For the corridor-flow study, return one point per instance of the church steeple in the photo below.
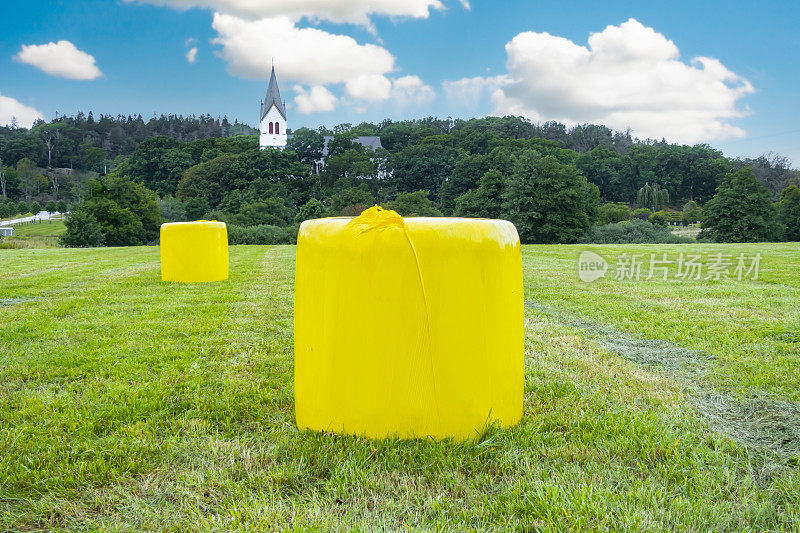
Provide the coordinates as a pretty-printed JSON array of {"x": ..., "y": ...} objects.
[
  {"x": 273, "y": 97},
  {"x": 272, "y": 124}
]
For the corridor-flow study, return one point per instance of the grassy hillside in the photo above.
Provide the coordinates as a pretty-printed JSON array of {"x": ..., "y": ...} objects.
[
  {"x": 127, "y": 403},
  {"x": 40, "y": 229}
]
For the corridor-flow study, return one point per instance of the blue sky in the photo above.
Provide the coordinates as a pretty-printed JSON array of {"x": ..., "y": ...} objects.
[{"x": 443, "y": 58}]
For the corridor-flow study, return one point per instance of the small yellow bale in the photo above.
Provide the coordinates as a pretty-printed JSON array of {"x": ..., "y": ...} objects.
[
  {"x": 193, "y": 252},
  {"x": 408, "y": 327}
]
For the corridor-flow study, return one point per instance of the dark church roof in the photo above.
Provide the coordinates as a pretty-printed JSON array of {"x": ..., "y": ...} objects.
[{"x": 273, "y": 98}]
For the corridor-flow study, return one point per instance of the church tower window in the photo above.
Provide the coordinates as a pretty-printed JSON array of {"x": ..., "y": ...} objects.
[
  {"x": 270, "y": 127},
  {"x": 277, "y": 128}
]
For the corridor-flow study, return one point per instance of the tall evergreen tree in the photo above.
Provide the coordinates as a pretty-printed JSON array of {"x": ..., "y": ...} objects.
[
  {"x": 546, "y": 200},
  {"x": 741, "y": 211}
]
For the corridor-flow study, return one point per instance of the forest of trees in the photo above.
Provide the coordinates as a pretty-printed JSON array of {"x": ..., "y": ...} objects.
[{"x": 553, "y": 182}]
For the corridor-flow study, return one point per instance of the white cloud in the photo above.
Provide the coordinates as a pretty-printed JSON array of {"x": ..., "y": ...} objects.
[
  {"x": 11, "y": 109},
  {"x": 353, "y": 11},
  {"x": 470, "y": 92},
  {"x": 628, "y": 76},
  {"x": 411, "y": 90},
  {"x": 191, "y": 55},
  {"x": 315, "y": 100},
  {"x": 60, "y": 59},
  {"x": 305, "y": 55},
  {"x": 370, "y": 87}
]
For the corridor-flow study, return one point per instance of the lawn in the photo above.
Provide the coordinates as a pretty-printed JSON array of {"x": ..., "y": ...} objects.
[
  {"x": 35, "y": 235},
  {"x": 131, "y": 404},
  {"x": 40, "y": 229}
]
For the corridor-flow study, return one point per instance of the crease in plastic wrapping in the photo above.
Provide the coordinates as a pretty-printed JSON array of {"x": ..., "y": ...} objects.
[
  {"x": 408, "y": 327},
  {"x": 194, "y": 252}
]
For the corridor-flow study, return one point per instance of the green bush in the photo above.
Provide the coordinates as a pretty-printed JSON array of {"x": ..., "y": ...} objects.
[
  {"x": 691, "y": 213},
  {"x": 83, "y": 231},
  {"x": 642, "y": 213},
  {"x": 634, "y": 231},
  {"x": 612, "y": 213},
  {"x": 659, "y": 218},
  {"x": 263, "y": 234}
]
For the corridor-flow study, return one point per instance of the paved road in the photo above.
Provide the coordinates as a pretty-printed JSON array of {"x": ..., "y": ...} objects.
[{"x": 41, "y": 215}]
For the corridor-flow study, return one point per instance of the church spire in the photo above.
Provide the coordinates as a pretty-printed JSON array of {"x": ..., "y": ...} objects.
[{"x": 273, "y": 97}]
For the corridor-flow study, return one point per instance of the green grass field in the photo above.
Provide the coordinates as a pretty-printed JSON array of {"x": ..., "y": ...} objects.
[
  {"x": 40, "y": 229},
  {"x": 131, "y": 404},
  {"x": 37, "y": 235}
]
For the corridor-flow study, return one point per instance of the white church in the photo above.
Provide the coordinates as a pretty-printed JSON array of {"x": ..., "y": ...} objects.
[{"x": 272, "y": 124}]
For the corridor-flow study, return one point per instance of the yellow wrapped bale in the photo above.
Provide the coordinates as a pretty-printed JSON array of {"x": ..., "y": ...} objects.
[
  {"x": 193, "y": 252},
  {"x": 408, "y": 327}
]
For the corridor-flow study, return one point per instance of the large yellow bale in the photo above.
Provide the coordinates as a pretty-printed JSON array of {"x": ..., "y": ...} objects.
[
  {"x": 408, "y": 327},
  {"x": 193, "y": 252}
]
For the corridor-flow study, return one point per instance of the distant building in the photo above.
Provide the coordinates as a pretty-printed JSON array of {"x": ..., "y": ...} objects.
[
  {"x": 272, "y": 124},
  {"x": 6, "y": 231},
  {"x": 273, "y": 117}
]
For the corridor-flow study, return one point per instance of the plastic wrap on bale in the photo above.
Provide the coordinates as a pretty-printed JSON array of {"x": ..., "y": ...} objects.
[
  {"x": 408, "y": 327},
  {"x": 194, "y": 252}
]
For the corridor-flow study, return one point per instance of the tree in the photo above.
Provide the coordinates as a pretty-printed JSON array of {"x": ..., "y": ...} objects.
[
  {"x": 28, "y": 172},
  {"x": 349, "y": 201},
  {"x": 307, "y": 144},
  {"x": 196, "y": 208},
  {"x": 312, "y": 209},
  {"x": 612, "y": 213},
  {"x": 741, "y": 211},
  {"x": 208, "y": 179},
  {"x": 789, "y": 213},
  {"x": 35, "y": 207},
  {"x": 546, "y": 200},
  {"x": 425, "y": 166},
  {"x": 51, "y": 207},
  {"x": 413, "y": 204},
  {"x": 126, "y": 212},
  {"x": 2, "y": 181},
  {"x": 50, "y": 135},
  {"x": 61, "y": 206},
  {"x": 83, "y": 231},
  {"x": 691, "y": 213},
  {"x": 271, "y": 211},
  {"x": 652, "y": 197},
  {"x": 172, "y": 209},
  {"x": 484, "y": 202},
  {"x": 659, "y": 218}
]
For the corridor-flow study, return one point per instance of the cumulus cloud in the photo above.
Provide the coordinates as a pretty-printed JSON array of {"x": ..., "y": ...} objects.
[
  {"x": 411, "y": 90},
  {"x": 352, "y": 11},
  {"x": 628, "y": 76},
  {"x": 11, "y": 109},
  {"x": 191, "y": 55},
  {"x": 470, "y": 92},
  {"x": 317, "y": 99},
  {"x": 305, "y": 55},
  {"x": 371, "y": 87},
  {"x": 60, "y": 59}
]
